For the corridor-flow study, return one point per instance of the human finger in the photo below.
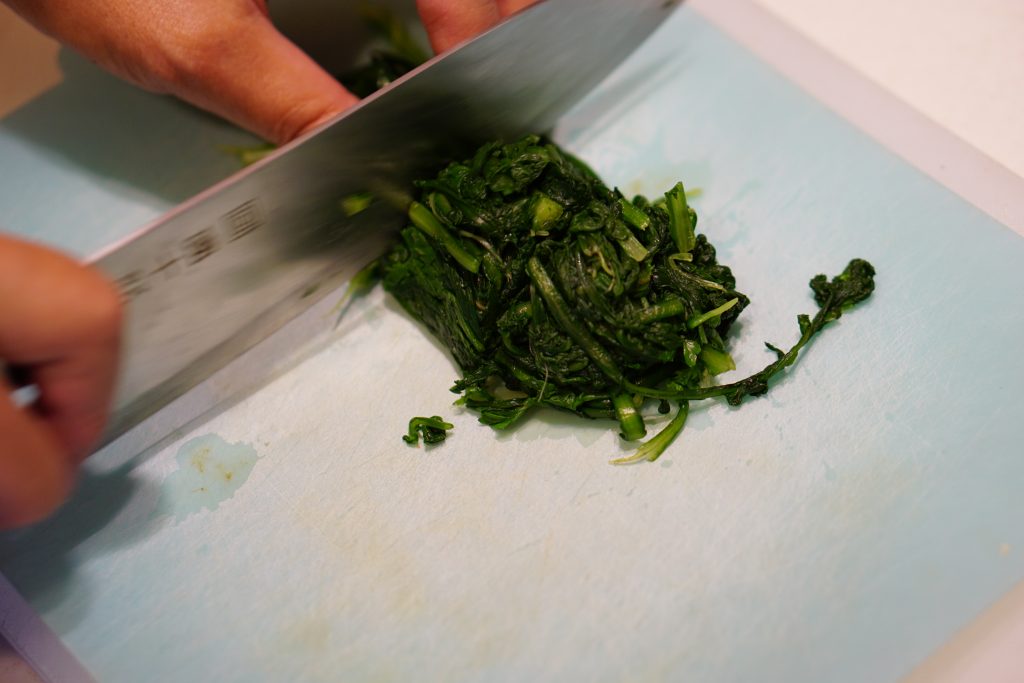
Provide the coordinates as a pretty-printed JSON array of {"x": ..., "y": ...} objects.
[
  {"x": 35, "y": 475},
  {"x": 225, "y": 57},
  {"x": 508, "y": 7},
  {"x": 449, "y": 22},
  {"x": 60, "y": 322}
]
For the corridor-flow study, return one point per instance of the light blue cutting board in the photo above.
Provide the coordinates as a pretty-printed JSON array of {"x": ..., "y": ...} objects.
[{"x": 840, "y": 529}]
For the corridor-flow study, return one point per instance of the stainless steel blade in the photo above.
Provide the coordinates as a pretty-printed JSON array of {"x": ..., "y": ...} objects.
[{"x": 223, "y": 271}]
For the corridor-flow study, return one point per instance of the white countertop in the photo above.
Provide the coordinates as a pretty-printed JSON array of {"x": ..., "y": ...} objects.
[{"x": 959, "y": 63}]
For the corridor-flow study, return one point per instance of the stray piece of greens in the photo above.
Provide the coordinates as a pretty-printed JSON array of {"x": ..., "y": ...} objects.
[
  {"x": 550, "y": 289},
  {"x": 401, "y": 55},
  {"x": 355, "y": 203},
  {"x": 431, "y": 429},
  {"x": 248, "y": 155}
]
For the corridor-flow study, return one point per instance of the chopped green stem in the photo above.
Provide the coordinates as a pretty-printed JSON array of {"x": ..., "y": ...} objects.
[
  {"x": 560, "y": 312},
  {"x": 630, "y": 420},
  {"x": 679, "y": 219},
  {"x": 757, "y": 383},
  {"x": 431, "y": 429},
  {"x": 717, "y": 361},
  {"x": 634, "y": 216},
  {"x": 546, "y": 211},
  {"x": 693, "y": 278},
  {"x": 520, "y": 373},
  {"x": 426, "y": 221},
  {"x": 356, "y": 203},
  {"x": 360, "y": 285},
  {"x": 652, "y": 449},
  {"x": 248, "y": 155},
  {"x": 661, "y": 310},
  {"x": 713, "y": 313},
  {"x": 633, "y": 248}
]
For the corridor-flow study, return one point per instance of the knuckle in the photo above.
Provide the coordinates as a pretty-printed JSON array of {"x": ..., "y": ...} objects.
[{"x": 295, "y": 119}]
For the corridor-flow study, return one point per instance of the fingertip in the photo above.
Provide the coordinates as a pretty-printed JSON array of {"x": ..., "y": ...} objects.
[
  {"x": 302, "y": 116},
  {"x": 77, "y": 385},
  {"x": 449, "y": 23}
]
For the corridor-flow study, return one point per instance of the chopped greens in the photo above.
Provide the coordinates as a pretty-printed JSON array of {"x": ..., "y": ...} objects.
[
  {"x": 356, "y": 203},
  {"x": 552, "y": 290},
  {"x": 248, "y": 155},
  {"x": 401, "y": 55},
  {"x": 431, "y": 429}
]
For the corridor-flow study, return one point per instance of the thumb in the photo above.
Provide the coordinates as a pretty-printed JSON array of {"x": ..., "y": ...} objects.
[{"x": 254, "y": 76}]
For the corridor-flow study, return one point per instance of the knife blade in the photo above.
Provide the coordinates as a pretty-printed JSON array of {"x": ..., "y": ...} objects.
[{"x": 212, "y": 278}]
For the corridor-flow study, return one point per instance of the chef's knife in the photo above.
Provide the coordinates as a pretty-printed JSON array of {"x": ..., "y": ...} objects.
[{"x": 221, "y": 272}]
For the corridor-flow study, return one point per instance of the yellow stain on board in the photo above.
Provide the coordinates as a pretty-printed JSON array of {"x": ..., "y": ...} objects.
[{"x": 210, "y": 471}]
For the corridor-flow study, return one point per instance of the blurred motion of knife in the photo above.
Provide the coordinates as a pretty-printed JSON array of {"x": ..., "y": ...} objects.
[{"x": 223, "y": 271}]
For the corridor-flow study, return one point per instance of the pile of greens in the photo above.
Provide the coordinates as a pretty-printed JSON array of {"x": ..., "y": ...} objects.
[
  {"x": 400, "y": 55},
  {"x": 552, "y": 290}
]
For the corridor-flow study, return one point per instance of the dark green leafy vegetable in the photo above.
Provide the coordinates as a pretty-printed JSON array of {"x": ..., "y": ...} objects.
[
  {"x": 550, "y": 289},
  {"x": 248, "y": 155},
  {"x": 356, "y": 203},
  {"x": 431, "y": 429},
  {"x": 388, "y": 26},
  {"x": 402, "y": 54},
  {"x": 382, "y": 69}
]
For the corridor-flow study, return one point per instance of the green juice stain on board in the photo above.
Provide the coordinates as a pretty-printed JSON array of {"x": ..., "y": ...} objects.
[{"x": 209, "y": 472}]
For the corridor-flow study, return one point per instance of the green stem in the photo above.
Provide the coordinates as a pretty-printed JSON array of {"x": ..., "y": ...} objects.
[
  {"x": 679, "y": 219},
  {"x": 634, "y": 216},
  {"x": 426, "y": 221},
  {"x": 651, "y": 450},
  {"x": 630, "y": 420},
  {"x": 633, "y": 248},
  {"x": 560, "y": 312},
  {"x": 713, "y": 313},
  {"x": 661, "y": 310},
  {"x": 742, "y": 386}
]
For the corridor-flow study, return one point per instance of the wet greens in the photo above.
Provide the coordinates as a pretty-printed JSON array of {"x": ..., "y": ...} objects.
[{"x": 551, "y": 289}]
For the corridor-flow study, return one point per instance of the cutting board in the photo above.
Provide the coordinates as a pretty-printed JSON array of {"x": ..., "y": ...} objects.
[{"x": 272, "y": 525}]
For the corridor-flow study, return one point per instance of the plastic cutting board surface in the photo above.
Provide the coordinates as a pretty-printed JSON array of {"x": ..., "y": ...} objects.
[{"x": 839, "y": 529}]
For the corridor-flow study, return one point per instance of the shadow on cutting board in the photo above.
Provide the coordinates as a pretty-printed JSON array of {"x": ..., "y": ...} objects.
[
  {"x": 113, "y": 506},
  {"x": 40, "y": 560},
  {"x": 122, "y": 135}
]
